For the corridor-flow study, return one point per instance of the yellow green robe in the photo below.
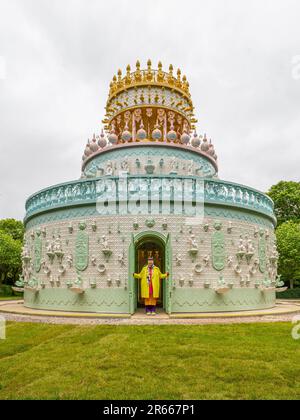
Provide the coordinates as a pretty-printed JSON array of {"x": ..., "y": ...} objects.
[{"x": 156, "y": 276}]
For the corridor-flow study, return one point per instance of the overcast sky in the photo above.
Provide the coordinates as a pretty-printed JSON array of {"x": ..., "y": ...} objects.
[{"x": 57, "y": 57}]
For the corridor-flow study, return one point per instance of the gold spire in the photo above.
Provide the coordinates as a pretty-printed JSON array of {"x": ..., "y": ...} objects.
[
  {"x": 170, "y": 75},
  {"x": 128, "y": 76},
  {"x": 138, "y": 74},
  {"x": 149, "y": 74},
  {"x": 178, "y": 81},
  {"x": 184, "y": 84},
  {"x": 114, "y": 86},
  {"x": 160, "y": 73},
  {"x": 120, "y": 83}
]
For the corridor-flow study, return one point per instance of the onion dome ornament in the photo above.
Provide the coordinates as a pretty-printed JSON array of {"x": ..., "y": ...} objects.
[
  {"x": 87, "y": 150},
  {"x": 141, "y": 133},
  {"x": 113, "y": 138},
  {"x": 172, "y": 135},
  {"x": 205, "y": 144},
  {"x": 93, "y": 144},
  {"x": 156, "y": 133},
  {"x": 102, "y": 142},
  {"x": 195, "y": 140},
  {"x": 211, "y": 150},
  {"x": 185, "y": 138},
  {"x": 126, "y": 135}
]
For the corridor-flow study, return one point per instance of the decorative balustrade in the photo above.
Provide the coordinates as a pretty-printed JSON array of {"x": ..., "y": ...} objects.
[{"x": 144, "y": 188}]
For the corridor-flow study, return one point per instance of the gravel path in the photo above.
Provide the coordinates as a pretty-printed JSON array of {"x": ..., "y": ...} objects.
[
  {"x": 161, "y": 319},
  {"x": 148, "y": 321}
]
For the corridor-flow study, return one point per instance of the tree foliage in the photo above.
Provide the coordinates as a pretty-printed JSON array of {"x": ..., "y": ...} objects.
[
  {"x": 288, "y": 244},
  {"x": 286, "y": 197},
  {"x": 12, "y": 227},
  {"x": 11, "y": 237}
]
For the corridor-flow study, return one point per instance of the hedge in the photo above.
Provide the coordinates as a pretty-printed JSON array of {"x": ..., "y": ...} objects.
[
  {"x": 289, "y": 294},
  {"x": 6, "y": 291}
]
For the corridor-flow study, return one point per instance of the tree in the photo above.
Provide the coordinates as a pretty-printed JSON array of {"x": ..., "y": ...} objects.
[
  {"x": 12, "y": 227},
  {"x": 10, "y": 258},
  {"x": 288, "y": 244},
  {"x": 286, "y": 197}
]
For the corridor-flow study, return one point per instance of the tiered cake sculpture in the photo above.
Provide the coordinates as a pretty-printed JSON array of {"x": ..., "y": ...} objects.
[{"x": 149, "y": 186}]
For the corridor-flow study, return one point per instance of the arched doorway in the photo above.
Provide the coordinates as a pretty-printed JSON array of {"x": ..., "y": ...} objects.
[
  {"x": 159, "y": 246},
  {"x": 144, "y": 248}
]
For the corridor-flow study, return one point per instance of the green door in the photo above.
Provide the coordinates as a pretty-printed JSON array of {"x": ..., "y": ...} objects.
[
  {"x": 168, "y": 281},
  {"x": 132, "y": 282}
]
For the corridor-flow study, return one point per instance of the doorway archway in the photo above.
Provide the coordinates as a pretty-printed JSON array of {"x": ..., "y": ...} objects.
[
  {"x": 144, "y": 248},
  {"x": 142, "y": 245}
]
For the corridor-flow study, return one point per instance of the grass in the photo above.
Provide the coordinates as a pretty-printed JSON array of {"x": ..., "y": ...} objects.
[
  {"x": 11, "y": 298},
  {"x": 246, "y": 361}
]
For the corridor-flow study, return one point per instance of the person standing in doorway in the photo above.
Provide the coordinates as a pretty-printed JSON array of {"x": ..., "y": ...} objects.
[{"x": 150, "y": 277}]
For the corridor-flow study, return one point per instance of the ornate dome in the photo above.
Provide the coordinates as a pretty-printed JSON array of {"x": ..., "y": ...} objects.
[
  {"x": 149, "y": 106},
  {"x": 102, "y": 142},
  {"x": 141, "y": 133}
]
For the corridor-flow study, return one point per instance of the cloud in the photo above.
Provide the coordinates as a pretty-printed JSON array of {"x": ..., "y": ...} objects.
[{"x": 60, "y": 56}]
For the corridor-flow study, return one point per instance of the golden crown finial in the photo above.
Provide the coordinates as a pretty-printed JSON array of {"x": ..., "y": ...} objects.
[
  {"x": 149, "y": 74},
  {"x": 149, "y": 77},
  {"x": 120, "y": 82},
  {"x": 150, "y": 89},
  {"x": 160, "y": 74},
  {"x": 184, "y": 84},
  {"x": 113, "y": 85},
  {"x": 171, "y": 80},
  {"x": 137, "y": 73},
  {"x": 128, "y": 76},
  {"x": 178, "y": 81}
]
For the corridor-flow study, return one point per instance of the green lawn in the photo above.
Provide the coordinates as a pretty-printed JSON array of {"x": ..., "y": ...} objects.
[
  {"x": 11, "y": 298},
  {"x": 149, "y": 362}
]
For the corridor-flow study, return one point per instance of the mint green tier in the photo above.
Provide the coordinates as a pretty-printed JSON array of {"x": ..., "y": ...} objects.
[{"x": 118, "y": 301}]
